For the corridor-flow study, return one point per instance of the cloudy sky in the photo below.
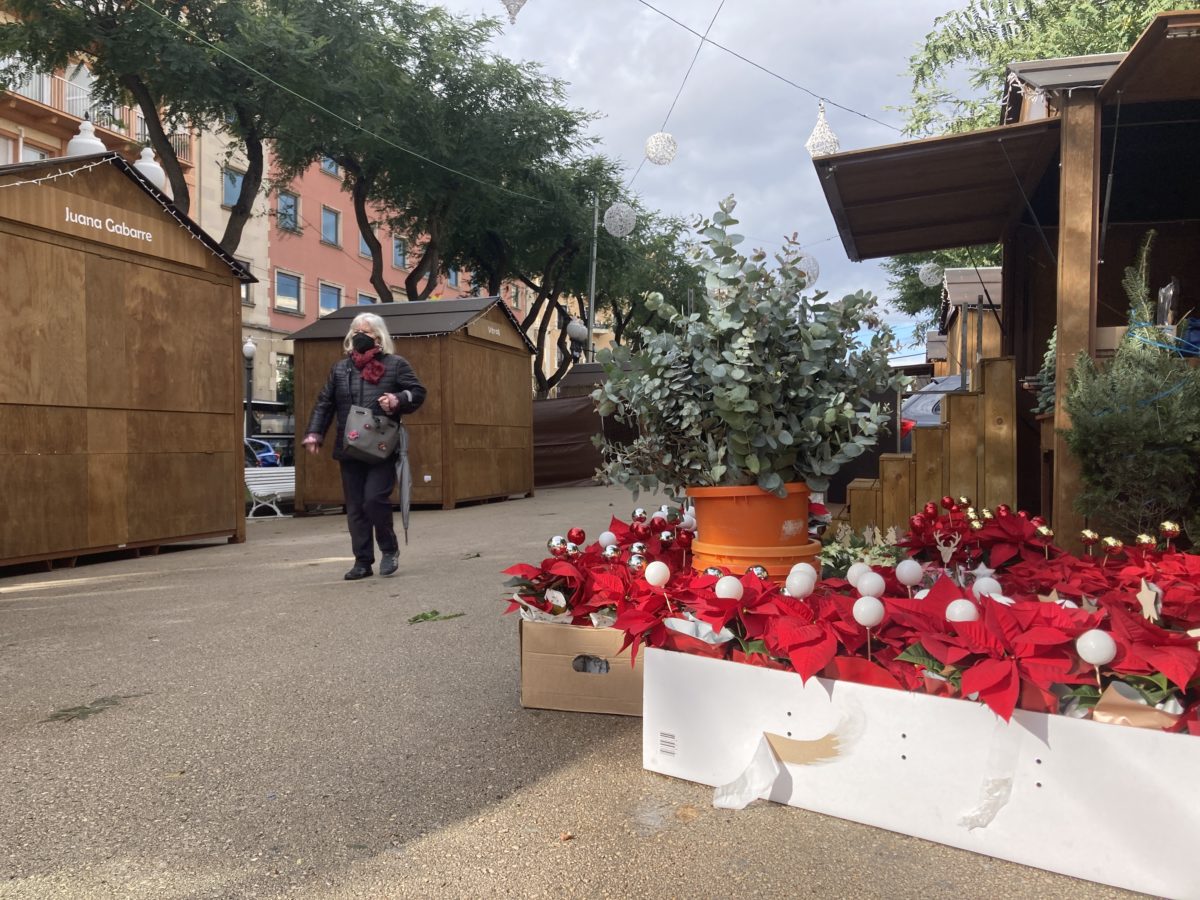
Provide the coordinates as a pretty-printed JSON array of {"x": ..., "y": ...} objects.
[{"x": 740, "y": 130}]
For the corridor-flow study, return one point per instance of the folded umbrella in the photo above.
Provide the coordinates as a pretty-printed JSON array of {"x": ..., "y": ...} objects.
[{"x": 404, "y": 478}]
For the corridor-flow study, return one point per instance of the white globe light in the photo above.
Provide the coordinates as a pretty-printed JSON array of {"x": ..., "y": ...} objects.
[
  {"x": 657, "y": 573},
  {"x": 619, "y": 219},
  {"x": 868, "y": 611},
  {"x": 807, "y": 263},
  {"x": 729, "y": 588},
  {"x": 577, "y": 331},
  {"x": 801, "y": 583},
  {"x": 1096, "y": 647},
  {"x": 871, "y": 584},
  {"x": 606, "y": 539},
  {"x": 961, "y": 610},
  {"x": 909, "y": 572},
  {"x": 986, "y": 585},
  {"x": 806, "y": 567},
  {"x": 855, "y": 571},
  {"x": 661, "y": 148},
  {"x": 930, "y": 274}
]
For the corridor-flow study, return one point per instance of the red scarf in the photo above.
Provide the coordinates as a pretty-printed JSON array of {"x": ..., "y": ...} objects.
[{"x": 366, "y": 363}]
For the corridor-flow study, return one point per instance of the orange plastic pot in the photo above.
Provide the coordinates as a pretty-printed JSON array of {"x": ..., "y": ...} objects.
[{"x": 743, "y": 526}]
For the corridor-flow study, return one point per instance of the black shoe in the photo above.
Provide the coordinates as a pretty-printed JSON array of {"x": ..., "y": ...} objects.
[
  {"x": 358, "y": 572},
  {"x": 389, "y": 563}
]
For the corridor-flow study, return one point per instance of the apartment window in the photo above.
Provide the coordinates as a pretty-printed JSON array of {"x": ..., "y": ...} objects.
[
  {"x": 231, "y": 186},
  {"x": 399, "y": 253},
  {"x": 287, "y": 211},
  {"x": 452, "y": 277},
  {"x": 33, "y": 154},
  {"x": 287, "y": 291},
  {"x": 247, "y": 297},
  {"x": 329, "y": 167},
  {"x": 366, "y": 299},
  {"x": 516, "y": 298},
  {"x": 331, "y": 297},
  {"x": 6, "y": 151},
  {"x": 363, "y": 249},
  {"x": 331, "y": 226}
]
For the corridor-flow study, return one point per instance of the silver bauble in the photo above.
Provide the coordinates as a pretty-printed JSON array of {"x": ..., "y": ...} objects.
[
  {"x": 637, "y": 547},
  {"x": 611, "y": 552},
  {"x": 636, "y": 563}
]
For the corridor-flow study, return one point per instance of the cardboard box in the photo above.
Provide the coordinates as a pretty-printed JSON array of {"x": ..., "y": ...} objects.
[
  {"x": 1106, "y": 803},
  {"x": 577, "y": 669}
]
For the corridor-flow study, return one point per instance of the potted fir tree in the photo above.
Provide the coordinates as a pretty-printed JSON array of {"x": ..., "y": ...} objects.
[{"x": 750, "y": 403}]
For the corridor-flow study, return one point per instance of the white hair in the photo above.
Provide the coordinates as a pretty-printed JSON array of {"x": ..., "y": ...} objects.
[{"x": 378, "y": 328}]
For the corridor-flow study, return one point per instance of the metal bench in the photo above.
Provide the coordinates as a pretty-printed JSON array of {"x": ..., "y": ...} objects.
[{"x": 269, "y": 485}]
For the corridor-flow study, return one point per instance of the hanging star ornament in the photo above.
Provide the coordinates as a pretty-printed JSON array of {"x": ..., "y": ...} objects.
[
  {"x": 822, "y": 141},
  {"x": 513, "y": 7}
]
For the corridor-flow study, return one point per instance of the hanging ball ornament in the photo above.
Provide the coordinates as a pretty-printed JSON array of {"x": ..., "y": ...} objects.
[
  {"x": 1096, "y": 647},
  {"x": 868, "y": 611},
  {"x": 714, "y": 572},
  {"x": 557, "y": 546},
  {"x": 822, "y": 141},
  {"x": 759, "y": 572},
  {"x": 871, "y": 584},
  {"x": 729, "y": 588},
  {"x": 637, "y": 547},
  {"x": 800, "y": 583},
  {"x": 961, "y": 610},
  {"x": 577, "y": 535},
  {"x": 619, "y": 219},
  {"x": 807, "y": 263},
  {"x": 909, "y": 572},
  {"x": 612, "y": 552},
  {"x": 856, "y": 571},
  {"x": 513, "y": 7},
  {"x": 607, "y": 539},
  {"x": 636, "y": 563},
  {"x": 930, "y": 274},
  {"x": 661, "y": 148},
  {"x": 639, "y": 515},
  {"x": 657, "y": 573}
]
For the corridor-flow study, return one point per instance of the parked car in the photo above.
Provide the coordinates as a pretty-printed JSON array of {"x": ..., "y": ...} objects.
[
  {"x": 260, "y": 453},
  {"x": 925, "y": 407}
]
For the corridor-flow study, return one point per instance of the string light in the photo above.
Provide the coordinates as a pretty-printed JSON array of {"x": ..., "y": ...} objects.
[{"x": 61, "y": 173}]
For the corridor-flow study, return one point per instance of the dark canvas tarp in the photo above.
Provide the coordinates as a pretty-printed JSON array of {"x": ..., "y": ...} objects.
[{"x": 563, "y": 454}]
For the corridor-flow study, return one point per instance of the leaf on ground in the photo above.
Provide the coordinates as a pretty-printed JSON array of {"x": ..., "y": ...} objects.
[
  {"x": 99, "y": 705},
  {"x": 471, "y": 555},
  {"x": 433, "y": 616},
  {"x": 566, "y": 836}
]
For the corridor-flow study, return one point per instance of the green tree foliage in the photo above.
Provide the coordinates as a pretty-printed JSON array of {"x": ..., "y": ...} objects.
[
  {"x": 986, "y": 35},
  {"x": 1135, "y": 425}
]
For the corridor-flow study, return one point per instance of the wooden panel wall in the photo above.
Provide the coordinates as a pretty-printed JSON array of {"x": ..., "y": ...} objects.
[
  {"x": 998, "y": 433},
  {"x": 120, "y": 410}
]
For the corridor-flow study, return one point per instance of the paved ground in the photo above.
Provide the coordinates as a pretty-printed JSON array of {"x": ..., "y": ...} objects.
[{"x": 260, "y": 728}]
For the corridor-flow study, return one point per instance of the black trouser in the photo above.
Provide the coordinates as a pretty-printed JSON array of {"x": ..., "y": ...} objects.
[{"x": 367, "y": 491}]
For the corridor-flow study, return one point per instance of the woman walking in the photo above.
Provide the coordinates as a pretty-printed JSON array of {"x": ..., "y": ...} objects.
[{"x": 370, "y": 375}]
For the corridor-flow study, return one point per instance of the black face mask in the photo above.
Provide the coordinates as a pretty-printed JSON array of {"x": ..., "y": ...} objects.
[{"x": 362, "y": 342}]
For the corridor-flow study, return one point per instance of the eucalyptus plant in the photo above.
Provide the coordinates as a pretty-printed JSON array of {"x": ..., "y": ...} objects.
[{"x": 765, "y": 385}]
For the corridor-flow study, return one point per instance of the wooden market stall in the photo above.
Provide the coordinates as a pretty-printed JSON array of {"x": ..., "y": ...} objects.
[
  {"x": 473, "y": 438},
  {"x": 120, "y": 391}
]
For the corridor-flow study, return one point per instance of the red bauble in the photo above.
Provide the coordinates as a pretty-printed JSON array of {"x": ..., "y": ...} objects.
[
  {"x": 1037, "y": 521},
  {"x": 659, "y": 523},
  {"x": 641, "y": 529},
  {"x": 931, "y": 510},
  {"x": 948, "y": 502},
  {"x": 1023, "y": 514},
  {"x": 576, "y": 536},
  {"x": 683, "y": 539},
  {"x": 917, "y": 523},
  {"x": 1003, "y": 509}
]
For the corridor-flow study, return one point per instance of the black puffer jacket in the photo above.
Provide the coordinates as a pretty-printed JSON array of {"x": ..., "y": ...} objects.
[{"x": 346, "y": 388}]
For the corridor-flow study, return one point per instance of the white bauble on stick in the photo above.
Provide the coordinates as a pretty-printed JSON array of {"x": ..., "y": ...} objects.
[
  {"x": 807, "y": 567},
  {"x": 871, "y": 584},
  {"x": 868, "y": 611},
  {"x": 855, "y": 570},
  {"x": 606, "y": 539},
  {"x": 729, "y": 588},
  {"x": 1096, "y": 647},
  {"x": 961, "y": 610},
  {"x": 986, "y": 585},
  {"x": 657, "y": 573},
  {"x": 801, "y": 583},
  {"x": 909, "y": 572}
]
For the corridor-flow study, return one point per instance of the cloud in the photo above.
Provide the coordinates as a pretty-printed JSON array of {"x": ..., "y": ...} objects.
[{"x": 740, "y": 131}]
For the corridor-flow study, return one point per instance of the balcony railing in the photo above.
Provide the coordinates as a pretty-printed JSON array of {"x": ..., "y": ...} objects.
[{"x": 77, "y": 99}]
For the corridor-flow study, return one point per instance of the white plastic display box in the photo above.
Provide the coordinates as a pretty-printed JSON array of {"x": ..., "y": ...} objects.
[{"x": 1108, "y": 803}]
